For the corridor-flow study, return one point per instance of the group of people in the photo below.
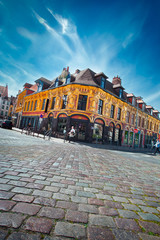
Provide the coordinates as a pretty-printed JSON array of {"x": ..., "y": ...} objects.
[{"x": 70, "y": 135}]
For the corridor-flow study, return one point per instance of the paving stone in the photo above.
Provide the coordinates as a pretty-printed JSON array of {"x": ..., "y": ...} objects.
[
  {"x": 35, "y": 185},
  {"x": 104, "y": 196},
  {"x": 70, "y": 230},
  {"x": 2, "y": 180},
  {"x": 149, "y": 216},
  {"x": 153, "y": 204},
  {"x": 6, "y": 205},
  {"x": 127, "y": 214},
  {"x": 51, "y": 188},
  {"x": 93, "y": 190},
  {"x": 60, "y": 185},
  {"x": 150, "y": 227},
  {"x": 67, "y": 182},
  {"x": 144, "y": 236},
  {"x": 5, "y": 187},
  {"x": 108, "y": 211},
  {"x": 81, "y": 184},
  {"x": 127, "y": 224},
  {"x": 88, "y": 208},
  {"x": 23, "y": 236},
  {"x": 25, "y": 179},
  {"x": 67, "y": 191},
  {"x": 45, "y": 201},
  {"x": 56, "y": 238},
  {"x": 50, "y": 212},
  {"x": 60, "y": 196},
  {"x": 130, "y": 207},
  {"x": 79, "y": 199},
  {"x": 137, "y": 201},
  {"x": 23, "y": 198},
  {"x": 26, "y": 208},
  {"x": 124, "y": 235},
  {"x": 67, "y": 205},
  {"x": 148, "y": 209},
  {"x": 6, "y": 195},
  {"x": 95, "y": 201},
  {"x": 76, "y": 216},
  {"x": 120, "y": 199},
  {"x": 42, "y": 225},
  {"x": 12, "y": 177},
  {"x": 100, "y": 220},
  {"x": 85, "y": 194},
  {"x": 42, "y": 193},
  {"x": 11, "y": 219},
  {"x": 77, "y": 188},
  {"x": 111, "y": 204},
  {"x": 22, "y": 190},
  {"x": 38, "y": 177},
  {"x": 45, "y": 182},
  {"x": 3, "y": 234},
  {"x": 17, "y": 183},
  {"x": 99, "y": 233}
]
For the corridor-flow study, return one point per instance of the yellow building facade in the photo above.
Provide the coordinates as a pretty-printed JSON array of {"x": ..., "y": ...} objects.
[{"x": 98, "y": 109}]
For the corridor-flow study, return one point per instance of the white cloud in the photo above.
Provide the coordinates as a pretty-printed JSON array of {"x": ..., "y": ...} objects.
[
  {"x": 128, "y": 40},
  {"x": 153, "y": 97},
  {"x": 27, "y": 34}
]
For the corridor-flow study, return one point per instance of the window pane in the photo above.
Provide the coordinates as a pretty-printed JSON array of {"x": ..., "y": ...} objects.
[{"x": 82, "y": 102}]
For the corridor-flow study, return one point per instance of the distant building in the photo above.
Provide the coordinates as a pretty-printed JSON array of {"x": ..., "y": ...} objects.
[
  {"x": 99, "y": 110},
  {"x": 4, "y": 102}
]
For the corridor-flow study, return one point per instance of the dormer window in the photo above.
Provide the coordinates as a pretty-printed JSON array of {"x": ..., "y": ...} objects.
[
  {"x": 68, "y": 79},
  {"x": 103, "y": 82},
  {"x": 120, "y": 92},
  {"x": 56, "y": 82}
]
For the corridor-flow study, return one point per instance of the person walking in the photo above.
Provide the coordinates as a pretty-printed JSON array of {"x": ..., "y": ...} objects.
[
  {"x": 65, "y": 133},
  {"x": 72, "y": 133},
  {"x": 157, "y": 145}
]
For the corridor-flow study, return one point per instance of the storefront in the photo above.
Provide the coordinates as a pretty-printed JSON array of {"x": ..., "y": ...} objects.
[
  {"x": 98, "y": 129},
  {"x": 62, "y": 121},
  {"x": 117, "y": 137},
  {"x": 111, "y": 133},
  {"x": 80, "y": 124},
  {"x": 131, "y": 135}
]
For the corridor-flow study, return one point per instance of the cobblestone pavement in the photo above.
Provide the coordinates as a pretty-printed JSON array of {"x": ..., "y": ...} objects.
[{"x": 53, "y": 190}]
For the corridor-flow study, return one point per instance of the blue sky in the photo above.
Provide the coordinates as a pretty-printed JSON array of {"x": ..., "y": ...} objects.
[{"x": 119, "y": 37}]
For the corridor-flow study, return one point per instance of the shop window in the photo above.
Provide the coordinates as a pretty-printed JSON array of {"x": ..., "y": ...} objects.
[
  {"x": 31, "y": 105},
  {"x": 53, "y": 102},
  {"x": 112, "y": 111},
  {"x": 131, "y": 138},
  {"x": 97, "y": 131},
  {"x": 100, "y": 106},
  {"x": 43, "y": 104},
  {"x": 126, "y": 137},
  {"x": 35, "y": 105},
  {"x": 110, "y": 132},
  {"x": 28, "y": 106},
  {"x": 82, "y": 102},
  {"x": 61, "y": 124},
  {"x": 119, "y": 114}
]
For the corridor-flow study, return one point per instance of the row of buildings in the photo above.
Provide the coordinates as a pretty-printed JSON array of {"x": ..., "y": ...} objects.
[{"x": 99, "y": 110}]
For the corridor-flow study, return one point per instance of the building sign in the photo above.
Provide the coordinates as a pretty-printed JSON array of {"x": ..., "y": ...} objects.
[
  {"x": 41, "y": 116},
  {"x": 135, "y": 130},
  {"x": 79, "y": 117}
]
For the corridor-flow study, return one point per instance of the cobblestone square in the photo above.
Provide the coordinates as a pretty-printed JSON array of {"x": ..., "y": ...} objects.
[{"x": 56, "y": 190}]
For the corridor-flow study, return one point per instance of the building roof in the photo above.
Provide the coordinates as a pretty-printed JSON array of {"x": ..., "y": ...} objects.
[{"x": 45, "y": 80}]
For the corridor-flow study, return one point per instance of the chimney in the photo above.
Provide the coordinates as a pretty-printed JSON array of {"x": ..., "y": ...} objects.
[{"x": 116, "y": 80}]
